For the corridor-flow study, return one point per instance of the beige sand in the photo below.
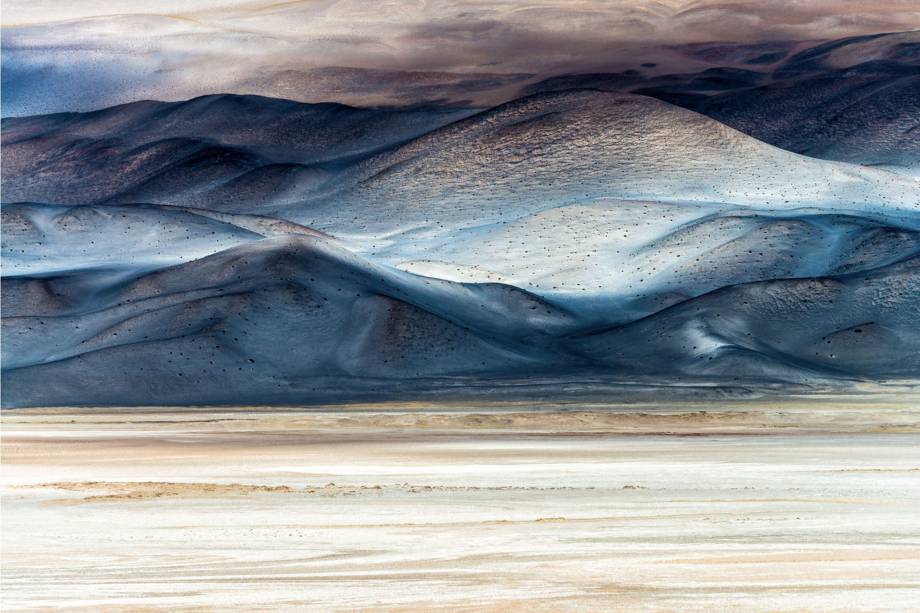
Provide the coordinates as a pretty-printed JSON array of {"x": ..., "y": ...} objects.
[{"x": 810, "y": 506}]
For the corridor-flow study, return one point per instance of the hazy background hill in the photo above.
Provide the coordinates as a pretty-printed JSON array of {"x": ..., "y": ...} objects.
[{"x": 853, "y": 99}]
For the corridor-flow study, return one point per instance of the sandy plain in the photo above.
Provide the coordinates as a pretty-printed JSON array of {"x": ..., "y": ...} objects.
[{"x": 806, "y": 505}]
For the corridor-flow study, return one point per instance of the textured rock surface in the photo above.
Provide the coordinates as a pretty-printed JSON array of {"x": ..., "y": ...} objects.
[{"x": 567, "y": 240}]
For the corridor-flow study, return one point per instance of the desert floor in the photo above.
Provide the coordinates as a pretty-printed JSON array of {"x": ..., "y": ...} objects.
[{"x": 803, "y": 505}]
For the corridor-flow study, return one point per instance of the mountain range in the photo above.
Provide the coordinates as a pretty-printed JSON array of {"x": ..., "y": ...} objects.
[{"x": 728, "y": 230}]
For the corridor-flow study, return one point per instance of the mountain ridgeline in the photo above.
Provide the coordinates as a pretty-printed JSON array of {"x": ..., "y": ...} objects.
[{"x": 577, "y": 242}]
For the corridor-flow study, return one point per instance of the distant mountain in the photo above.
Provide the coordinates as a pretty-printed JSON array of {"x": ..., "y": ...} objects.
[
  {"x": 276, "y": 129},
  {"x": 638, "y": 257},
  {"x": 539, "y": 192},
  {"x": 574, "y": 146},
  {"x": 853, "y": 100},
  {"x": 258, "y": 323},
  {"x": 293, "y": 319},
  {"x": 230, "y": 250},
  {"x": 157, "y": 149},
  {"x": 43, "y": 239},
  {"x": 789, "y": 329}
]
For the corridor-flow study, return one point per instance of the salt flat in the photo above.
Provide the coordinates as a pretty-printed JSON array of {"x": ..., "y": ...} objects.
[{"x": 758, "y": 506}]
